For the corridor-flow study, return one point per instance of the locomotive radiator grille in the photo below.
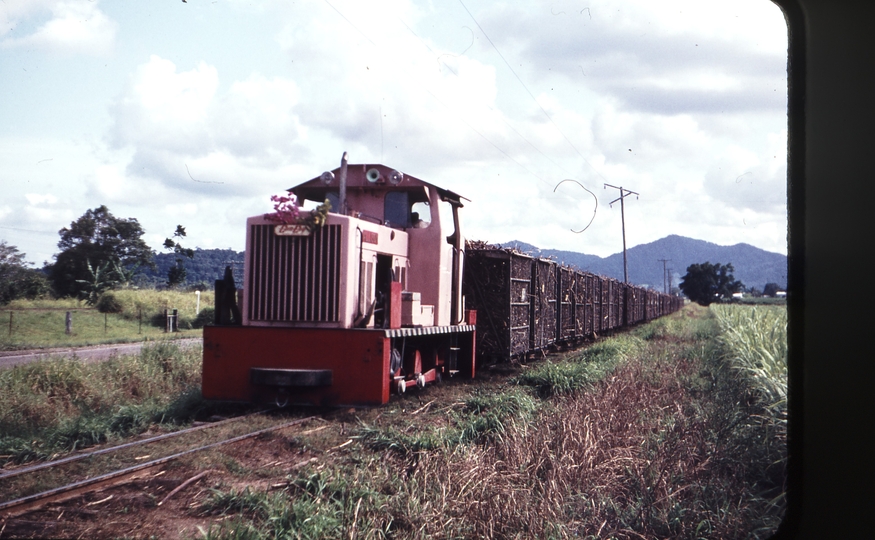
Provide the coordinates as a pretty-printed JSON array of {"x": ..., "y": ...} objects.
[{"x": 294, "y": 278}]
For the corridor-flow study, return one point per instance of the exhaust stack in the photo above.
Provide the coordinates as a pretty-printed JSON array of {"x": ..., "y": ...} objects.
[{"x": 343, "y": 165}]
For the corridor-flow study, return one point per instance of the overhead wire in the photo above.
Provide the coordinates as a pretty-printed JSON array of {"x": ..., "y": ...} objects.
[
  {"x": 28, "y": 230},
  {"x": 350, "y": 23}
]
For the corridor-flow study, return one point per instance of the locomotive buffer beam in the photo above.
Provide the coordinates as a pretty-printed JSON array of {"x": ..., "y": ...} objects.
[{"x": 290, "y": 377}]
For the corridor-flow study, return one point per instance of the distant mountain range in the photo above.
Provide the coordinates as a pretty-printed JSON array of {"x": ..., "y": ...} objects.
[{"x": 753, "y": 266}]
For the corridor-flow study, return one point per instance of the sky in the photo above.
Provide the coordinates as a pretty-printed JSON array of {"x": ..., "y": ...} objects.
[{"x": 196, "y": 112}]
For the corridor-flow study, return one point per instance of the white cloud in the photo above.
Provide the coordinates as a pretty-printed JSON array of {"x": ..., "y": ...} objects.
[
  {"x": 257, "y": 118},
  {"x": 187, "y": 133},
  {"x": 656, "y": 57},
  {"x": 163, "y": 109},
  {"x": 75, "y": 26},
  {"x": 14, "y": 12},
  {"x": 109, "y": 184},
  {"x": 182, "y": 210},
  {"x": 36, "y": 199}
]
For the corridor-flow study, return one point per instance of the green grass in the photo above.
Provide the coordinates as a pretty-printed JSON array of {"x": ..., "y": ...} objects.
[
  {"x": 580, "y": 370},
  {"x": 315, "y": 504},
  {"x": 58, "y": 405},
  {"x": 42, "y": 323},
  {"x": 150, "y": 302},
  {"x": 484, "y": 417}
]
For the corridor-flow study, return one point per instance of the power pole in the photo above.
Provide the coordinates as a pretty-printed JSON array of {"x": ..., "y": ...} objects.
[
  {"x": 623, "y": 193},
  {"x": 664, "y": 273}
]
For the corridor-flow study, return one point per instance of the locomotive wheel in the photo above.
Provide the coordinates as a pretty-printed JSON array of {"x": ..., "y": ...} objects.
[
  {"x": 420, "y": 380},
  {"x": 437, "y": 376},
  {"x": 282, "y": 398},
  {"x": 402, "y": 387}
]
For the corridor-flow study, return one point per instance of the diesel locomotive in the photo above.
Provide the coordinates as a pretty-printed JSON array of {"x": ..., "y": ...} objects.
[{"x": 345, "y": 312}]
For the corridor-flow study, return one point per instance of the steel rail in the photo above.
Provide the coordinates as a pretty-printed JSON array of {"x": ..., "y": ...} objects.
[
  {"x": 77, "y": 457},
  {"x": 4, "y": 507}
]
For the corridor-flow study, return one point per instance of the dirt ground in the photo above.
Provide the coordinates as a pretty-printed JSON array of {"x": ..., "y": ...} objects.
[{"x": 137, "y": 507}]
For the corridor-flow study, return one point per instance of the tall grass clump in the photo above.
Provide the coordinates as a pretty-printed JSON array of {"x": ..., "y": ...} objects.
[
  {"x": 754, "y": 348},
  {"x": 61, "y": 404},
  {"x": 755, "y": 341}
]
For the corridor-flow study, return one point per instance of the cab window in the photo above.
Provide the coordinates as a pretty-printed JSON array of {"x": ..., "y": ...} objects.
[
  {"x": 395, "y": 212},
  {"x": 420, "y": 215}
]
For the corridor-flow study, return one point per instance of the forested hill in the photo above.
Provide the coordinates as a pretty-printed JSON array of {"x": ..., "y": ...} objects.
[
  {"x": 753, "y": 266},
  {"x": 207, "y": 266}
]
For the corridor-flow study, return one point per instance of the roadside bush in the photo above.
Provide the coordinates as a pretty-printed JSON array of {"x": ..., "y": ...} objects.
[
  {"x": 22, "y": 283},
  {"x": 205, "y": 317},
  {"x": 108, "y": 303}
]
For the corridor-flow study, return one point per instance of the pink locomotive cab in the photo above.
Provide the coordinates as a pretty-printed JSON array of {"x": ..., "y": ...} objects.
[{"x": 347, "y": 310}]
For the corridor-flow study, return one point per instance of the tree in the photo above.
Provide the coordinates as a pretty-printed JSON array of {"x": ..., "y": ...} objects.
[
  {"x": 101, "y": 278},
  {"x": 771, "y": 288},
  {"x": 97, "y": 240},
  {"x": 16, "y": 279},
  {"x": 177, "y": 274},
  {"x": 706, "y": 282}
]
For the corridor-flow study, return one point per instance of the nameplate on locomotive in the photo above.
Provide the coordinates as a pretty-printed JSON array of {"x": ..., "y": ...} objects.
[
  {"x": 370, "y": 237},
  {"x": 291, "y": 229}
]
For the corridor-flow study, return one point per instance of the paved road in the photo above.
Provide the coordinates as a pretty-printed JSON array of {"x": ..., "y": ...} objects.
[{"x": 88, "y": 354}]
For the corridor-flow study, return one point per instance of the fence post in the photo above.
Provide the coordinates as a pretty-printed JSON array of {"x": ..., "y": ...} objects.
[
  {"x": 105, "y": 315},
  {"x": 175, "y": 325},
  {"x": 10, "y": 324},
  {"x": 166, "y": 320},
  {"x": 69, "y": 323}
]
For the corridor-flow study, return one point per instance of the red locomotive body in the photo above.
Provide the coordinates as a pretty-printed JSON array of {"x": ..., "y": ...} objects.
[{"x": 346, "y": 311}]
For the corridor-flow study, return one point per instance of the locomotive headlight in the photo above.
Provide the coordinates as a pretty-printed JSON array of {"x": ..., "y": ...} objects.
[
  {"x": 395, "y": 177},
  {"x": 327, "y": 177}
]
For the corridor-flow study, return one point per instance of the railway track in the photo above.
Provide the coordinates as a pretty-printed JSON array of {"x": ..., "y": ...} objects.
[{"x": 119, "y": 475}]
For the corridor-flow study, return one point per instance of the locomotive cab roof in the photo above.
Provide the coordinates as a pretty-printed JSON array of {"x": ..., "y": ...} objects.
[{"x": 370, "y": 178}]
